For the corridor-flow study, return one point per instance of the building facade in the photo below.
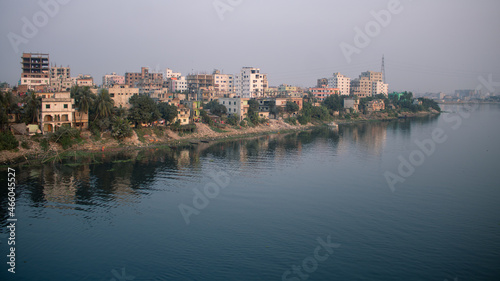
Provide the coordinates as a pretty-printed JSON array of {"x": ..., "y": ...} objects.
[
  {"x": 320, "y": 94},
  {"x": 250, "y": 83},
  {"x": 57, "y": 111},
  {"x": 121, "y": 94},
  {"x": 109, "y": 80},
  {"x": 35, "y": 71},
  {"x": 340, "y": 82},
  {"x": 235, "y": 106}
]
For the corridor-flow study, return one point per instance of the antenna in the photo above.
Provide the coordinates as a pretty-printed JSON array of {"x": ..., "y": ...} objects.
[{"x": 383, "y": 69}]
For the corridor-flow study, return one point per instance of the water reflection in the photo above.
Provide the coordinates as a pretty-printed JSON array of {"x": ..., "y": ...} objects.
[{"x": 123, "y": 177}]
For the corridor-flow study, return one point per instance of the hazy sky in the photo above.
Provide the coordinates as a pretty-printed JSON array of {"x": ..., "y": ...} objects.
[{"x": 429, "y": 45}]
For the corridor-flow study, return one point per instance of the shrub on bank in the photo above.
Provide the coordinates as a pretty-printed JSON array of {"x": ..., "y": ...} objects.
[{"x": 8, "y": 141}]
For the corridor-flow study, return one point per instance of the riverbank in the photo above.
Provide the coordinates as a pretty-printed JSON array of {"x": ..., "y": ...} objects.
[{"x": 33, "y": 152}]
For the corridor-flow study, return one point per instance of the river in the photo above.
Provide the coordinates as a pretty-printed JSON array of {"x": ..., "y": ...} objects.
[{"x": 414, "y": 199}]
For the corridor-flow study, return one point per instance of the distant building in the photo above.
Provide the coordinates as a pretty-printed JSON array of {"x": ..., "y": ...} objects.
[
  {"x": 368, "y": 84},
  {"x": 183, "y": 115},
  {"x": 250, "y": 83},
  {"x": 223, "y": 83},
  {"x": 352, "y": 103},
  {"x": 60, "y": 79},
  {"x": 35, "y": 71},
  {"x": 322, "y": 83},
  {"x": 84, "y": 80},
  {"x": 321, "y": 94},
  {"x": 109, "y": 80},
  {"x": 235, "y": 106},
  {"x": 374, "y": 105},
  {"x": 146, "y": 82},
  {"x": 121, "y": 94},
  {"x": 340, "y": 82},
  {"x": 178, "y": 84}
]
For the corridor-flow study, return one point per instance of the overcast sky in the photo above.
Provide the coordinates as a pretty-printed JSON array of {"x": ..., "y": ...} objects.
[{"x": 429, "y": 45}]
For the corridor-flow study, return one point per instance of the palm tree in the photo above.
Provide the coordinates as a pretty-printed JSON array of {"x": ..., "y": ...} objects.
[
  {"x": 32, "y": 108},
  {"x": 103, "y": 104},
  {"x": 83, "y": 99}
]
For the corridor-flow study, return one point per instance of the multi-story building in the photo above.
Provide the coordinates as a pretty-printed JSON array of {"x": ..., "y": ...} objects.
[
  {"x": 368, "y": 84},
  {"x": 35, "y": 71},
  {"x": 379, "y": 87},
  {"x": 322, "y": 83},
  {"x": 223, "y": 83},
  {"x": 170, "y": 74},
  {"x": 285, "y": 89},
  {"x": 361, "y": 87},
  {"x": 57, "y": 111},
  {"x": 320, "y": 94},
  {"x": 121, "y": 94},
  {"x": 146, "y": 82},
  {"x": 109, "y": 80},
  {"x": 352, "y": 103},
  {"x": 250, "y": 83},
  {"x": 372, "y": 75},
  {"x": 235, "y": 106},
  {"x": 183, "y": 115},
  {"x": 340, "y": 82},
  {"x": 198, "y": 82},
  {"x": 84, "y": 80},
  {"x": 60, "y": 79},
  {"x": 177, "y": 84}
]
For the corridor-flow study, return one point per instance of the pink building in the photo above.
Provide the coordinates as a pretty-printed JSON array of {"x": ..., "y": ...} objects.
[{"x": 322, "y": 93}]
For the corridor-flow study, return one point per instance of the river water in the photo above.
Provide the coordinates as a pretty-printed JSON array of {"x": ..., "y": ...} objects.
[{"x": 408, "y": 199}]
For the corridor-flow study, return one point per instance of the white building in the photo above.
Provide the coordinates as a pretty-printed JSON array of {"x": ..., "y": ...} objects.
[
  {"x": 178, "y": 84},
  {"x": 379, "y": 87},
  {"x": 340, "y": 82},
  {"x": 169, "y": 74},
  {"x": 249, "y": 83}
]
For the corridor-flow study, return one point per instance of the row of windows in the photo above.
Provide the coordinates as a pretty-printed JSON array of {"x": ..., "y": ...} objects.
[{"x": 47, "y": 106}]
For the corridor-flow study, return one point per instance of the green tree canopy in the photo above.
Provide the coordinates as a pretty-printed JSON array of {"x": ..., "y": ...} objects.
[
  {"x": 103, "y": 104},
  {"x": 291, "y": 107},
  {"x": 167, "y": 112},
  {"x": 143, "y": 110}
]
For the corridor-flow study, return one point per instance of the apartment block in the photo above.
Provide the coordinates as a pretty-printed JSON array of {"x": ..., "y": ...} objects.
[
  {"x": 250, "y": 83},
  {"x": 340, "y": 82},
  {"x": 177, "y": 84},
  {"x": 320, "y": 94},
  {"x": 35, "y": 70},
  {"x": 223, "y": 83},
  {"x": 109, "y": 80},
  {"x": 146, "y": 82},
  {"x": 235, "y": 106},
  {"x": 121, "y": 94}
]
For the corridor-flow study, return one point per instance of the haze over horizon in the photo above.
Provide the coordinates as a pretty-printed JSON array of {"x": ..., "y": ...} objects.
[{"x": 429, "y": 46}]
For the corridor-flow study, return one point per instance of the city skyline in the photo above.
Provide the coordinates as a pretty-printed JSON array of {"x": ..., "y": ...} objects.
[{"x": 294, "y": 43}]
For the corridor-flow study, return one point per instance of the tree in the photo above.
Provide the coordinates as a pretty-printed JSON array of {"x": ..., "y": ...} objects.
[
  {"x": 120, "y": 128},
  {"x": 167, "y": 112},
  {"x": 253, "y": 105},
  {"x": 334, "y": 102},
  {"x": 32, "y": 108},
  {"x": 291, "y": 107},
  {"x": 233, "y": 119},
  {"x": 219, "y": 109},
  {"x": 143, "y": 110},
  {"x": 83, "y": 100},
  {"x": 103, "y": 104},
  {"x": 8, "y": 105}
]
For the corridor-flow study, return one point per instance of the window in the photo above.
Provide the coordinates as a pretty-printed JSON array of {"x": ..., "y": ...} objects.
[
  {"x": 47, "y": 106},
  {"x": 65, "y": 105}
]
